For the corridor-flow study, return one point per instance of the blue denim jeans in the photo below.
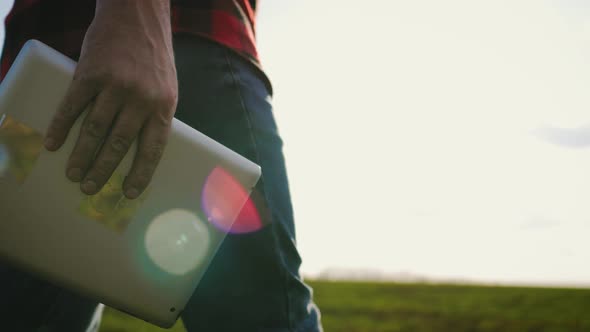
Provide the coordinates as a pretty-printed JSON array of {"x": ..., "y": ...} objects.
[{"x": 253, "y": 283}]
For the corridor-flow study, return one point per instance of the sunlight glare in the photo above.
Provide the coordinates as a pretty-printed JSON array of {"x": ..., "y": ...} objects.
[{"x": 177, "y": 241}]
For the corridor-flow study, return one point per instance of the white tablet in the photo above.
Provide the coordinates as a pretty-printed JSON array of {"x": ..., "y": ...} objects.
[{"x": 143, "y": 256}]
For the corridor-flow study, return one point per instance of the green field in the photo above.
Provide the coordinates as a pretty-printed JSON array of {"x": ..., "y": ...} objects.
[{"x": 380, "y": 307}]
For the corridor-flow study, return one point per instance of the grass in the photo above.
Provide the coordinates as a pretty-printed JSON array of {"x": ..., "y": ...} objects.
[
  {"x": 388, "y": 307},
  {"x": 117, "y": 321}
]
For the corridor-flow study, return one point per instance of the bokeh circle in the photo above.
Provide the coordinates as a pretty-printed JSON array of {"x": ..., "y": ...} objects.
[{"x": 177, "y": 241}]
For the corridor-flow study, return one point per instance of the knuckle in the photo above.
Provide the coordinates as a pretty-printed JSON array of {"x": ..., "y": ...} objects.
[
  {"x": 95, "y": 128},
  {"x": 151, "y": 96},
  {"x": 118, "y": 83},
  {"x": 160, "y": 98},
  {"x": 167, "y": 96},
  {"x": 162, "y": 119},
  {"x": 125, "y": 85},
  {"x": 120, "y": 144},
  {"x": 170, "y": 99}
]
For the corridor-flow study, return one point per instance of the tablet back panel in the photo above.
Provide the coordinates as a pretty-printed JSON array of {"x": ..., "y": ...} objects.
[{"x": 143, "y": 256}]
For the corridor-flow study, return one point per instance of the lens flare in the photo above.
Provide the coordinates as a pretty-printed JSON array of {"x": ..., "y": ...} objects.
[
  {"x": 177, "y": 241},
  {"x": 228, "y": 205}
]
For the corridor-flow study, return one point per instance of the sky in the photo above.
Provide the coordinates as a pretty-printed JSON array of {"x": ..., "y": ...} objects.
[{"x": 444, "y": 139}]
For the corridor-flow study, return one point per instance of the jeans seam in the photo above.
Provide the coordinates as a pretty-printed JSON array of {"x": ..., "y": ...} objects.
[{"x": 236, "y": 82}]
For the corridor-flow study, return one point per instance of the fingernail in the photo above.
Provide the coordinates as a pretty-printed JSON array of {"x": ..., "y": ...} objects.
[
  {"x": 89, "y": 186},
  {"x": 75, "y": 174},
  {"x": 49, "y": 143},
  {"x": 132, "y": 193}
]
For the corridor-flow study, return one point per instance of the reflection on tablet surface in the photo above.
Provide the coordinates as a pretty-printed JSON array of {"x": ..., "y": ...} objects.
[
  {"x": 21, "y": 146},
  {"x": 110, "y": 207}
]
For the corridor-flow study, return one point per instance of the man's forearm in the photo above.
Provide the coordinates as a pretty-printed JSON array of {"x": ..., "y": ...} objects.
[{"x": 151, "y": 17}]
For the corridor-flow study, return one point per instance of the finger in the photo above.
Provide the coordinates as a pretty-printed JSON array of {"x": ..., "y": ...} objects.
[
  {"x": 152, "y": 141},
  {"x": 94, "y": 129},
  {"x": 126, "y": 128},
  {"x": 80, "y": 93}
]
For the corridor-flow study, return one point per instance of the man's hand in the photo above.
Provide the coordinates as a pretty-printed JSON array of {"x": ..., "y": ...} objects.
[{"x": 126, "y": 75}]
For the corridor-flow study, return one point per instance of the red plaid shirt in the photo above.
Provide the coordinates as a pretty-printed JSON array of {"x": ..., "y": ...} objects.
[{"x": 62, "y": 24}]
